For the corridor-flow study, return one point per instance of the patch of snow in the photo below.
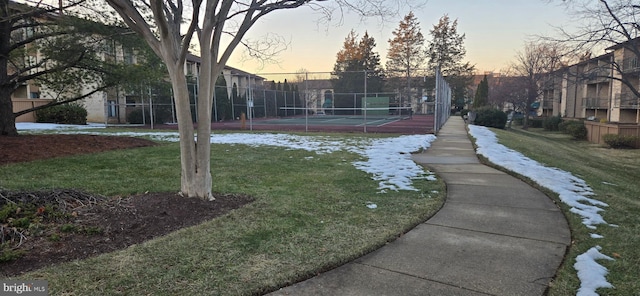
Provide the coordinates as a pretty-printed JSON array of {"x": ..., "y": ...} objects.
[
  {"x": 595, "y": 235},
  {"x": 591, "y": 274},
  {"x": 22, "y": 126},
  {"x": 388, "y": 160},
  {"x": 372, "y": 205},
  {"x": 572, "y": 191}
]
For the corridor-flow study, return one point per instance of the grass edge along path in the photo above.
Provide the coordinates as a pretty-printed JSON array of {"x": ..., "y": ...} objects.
[
  {"x": 613, "y": 175},
  {"x": 310, "y": 215}
]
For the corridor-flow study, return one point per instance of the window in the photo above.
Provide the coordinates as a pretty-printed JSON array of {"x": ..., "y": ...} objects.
[
  {"x": 128, "y": 55},
  {"x": 131, "y": 101},
  {"x": 34, "y": 95},
  {"x": 190, "y": 69},
  {"x": 112, "y": 108}
]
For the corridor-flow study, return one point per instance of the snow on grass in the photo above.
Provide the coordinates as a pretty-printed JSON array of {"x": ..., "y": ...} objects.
[
  {"x": 572, "y": 191},
  {"x": 33, "y": 126},
  {"x": 388, "y": 160},
  {"x": 591, "y": 274}
]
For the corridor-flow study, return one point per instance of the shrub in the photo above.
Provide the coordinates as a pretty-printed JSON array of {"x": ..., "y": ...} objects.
[
  {"x": 551, "y": 123},
  {"x": 490, "y": 117},
  {"x": 621, "y": 141},
  {"x": 161, "y": 115},
  {"x": 135, "y": 116},
  {"x": 464, "y": 112},
  {"x": 535, "y": 122},
  {"x": 65, "y": 114},
  {"x": 564, "y": 124},
  {"x": 518, "y": 121},
  {"x": 577, "y": 130}
]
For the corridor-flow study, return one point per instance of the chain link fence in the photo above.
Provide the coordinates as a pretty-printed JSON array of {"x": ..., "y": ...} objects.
[{"x": 276, "y": 95}]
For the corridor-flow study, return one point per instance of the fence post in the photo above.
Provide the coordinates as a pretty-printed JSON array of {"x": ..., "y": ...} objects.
[{"x": 364, "y": 102}]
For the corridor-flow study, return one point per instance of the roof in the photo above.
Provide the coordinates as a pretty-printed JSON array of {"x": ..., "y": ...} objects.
[
  {"x": 632, "y": 42},
  {"x": 234, "y": 71}
]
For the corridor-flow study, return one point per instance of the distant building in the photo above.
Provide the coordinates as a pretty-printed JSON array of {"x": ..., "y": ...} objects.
[
  {"x": 319, "y": 94},
  {"x": 594, "y": 90},
  {"x": 113, "y": 105}
]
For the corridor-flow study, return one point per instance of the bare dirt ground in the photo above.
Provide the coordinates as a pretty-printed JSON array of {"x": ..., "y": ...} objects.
[{"x": 104, "y": 224}]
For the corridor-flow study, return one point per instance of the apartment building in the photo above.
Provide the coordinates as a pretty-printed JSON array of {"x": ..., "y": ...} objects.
[
  {"x": 115, "y": 104},
  {"x": 595, "y": 89}
]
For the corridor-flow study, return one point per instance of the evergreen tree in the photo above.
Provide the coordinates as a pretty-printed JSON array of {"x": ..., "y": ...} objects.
[
  {"x": 285, "y": 86},
  {"x": 446, "y": 52},
  {"x": 353, "y": 61},
  {"x": 371, "y": 63},
  {"x": 223, "y": 103},
  {"x": 348, "y": 77},
  {"x": 406, "y": 50},
  {"x": 64, "y": 53},
  {"x": 481, "y": 98},
  {"x": 235, "y": 100}
]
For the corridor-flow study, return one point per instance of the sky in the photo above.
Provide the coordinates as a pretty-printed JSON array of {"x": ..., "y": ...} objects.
[
  {"x": 495, "y": 31},
  {"x": 389, "y": 162}
]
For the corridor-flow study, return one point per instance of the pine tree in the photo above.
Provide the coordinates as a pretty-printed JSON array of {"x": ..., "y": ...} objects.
[
  {"x": 235, "y": 100},
  {"x": 406, "y": 49},
  {"x": 481, "y": 98},
  {"x": 285, "y": 86},
  {"x": 347, "y": 78},
  {"x": 446, "y": 52},
  {"x": 371, "y": 63},
  {"x": 223, "y": 103},
  {"x": 353, "y": 61}
]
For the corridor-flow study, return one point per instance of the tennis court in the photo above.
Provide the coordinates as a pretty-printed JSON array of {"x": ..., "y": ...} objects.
[
  {"x": 415, "y": 124},
  {"x": 352, "y": 120}
]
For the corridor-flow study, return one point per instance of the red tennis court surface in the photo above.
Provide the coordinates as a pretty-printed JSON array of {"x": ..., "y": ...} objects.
[{"x": 418, "y": 124}]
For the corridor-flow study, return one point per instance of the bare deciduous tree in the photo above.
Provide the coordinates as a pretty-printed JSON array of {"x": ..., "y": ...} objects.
[
  {"x": 508, "y": 91},
  {"x": 606, "y": 25},
  {"x": 168, "y": 26},
  {"x": 534, "y": 64}
]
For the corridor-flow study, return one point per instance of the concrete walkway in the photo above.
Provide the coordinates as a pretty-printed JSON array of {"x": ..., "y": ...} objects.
[{"x": 495, "y": 235}]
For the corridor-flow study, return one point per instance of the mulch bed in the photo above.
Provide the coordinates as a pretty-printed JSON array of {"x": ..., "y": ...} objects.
[{"x": 123, "y": 221}]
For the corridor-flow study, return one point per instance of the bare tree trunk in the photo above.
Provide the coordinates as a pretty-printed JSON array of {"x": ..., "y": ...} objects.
[
  {"x": 202, "y": 176},
  {"x": 7, "y": 119},
  {"x": 195, "y": 168}
]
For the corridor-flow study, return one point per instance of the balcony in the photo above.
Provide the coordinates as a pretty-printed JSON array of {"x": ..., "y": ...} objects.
[
  {"x": 595, "y": 103},
  {"x": 630, "y": 65},
  {"x": 547, "y": 104},
  {"x": 599, "y": 75},
  {"x": 626, "y": 101}
]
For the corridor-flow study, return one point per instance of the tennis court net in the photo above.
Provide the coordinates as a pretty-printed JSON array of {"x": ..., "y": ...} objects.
[{"x": 374, "y": 113}]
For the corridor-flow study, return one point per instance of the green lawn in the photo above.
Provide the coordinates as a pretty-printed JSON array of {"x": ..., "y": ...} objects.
[
  {"x": 614, "y": 175},
  {"x": 310, "y": 215}
]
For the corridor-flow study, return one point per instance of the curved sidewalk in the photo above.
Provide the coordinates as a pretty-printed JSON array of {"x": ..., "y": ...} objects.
[{"x": 495, "y": 235}]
